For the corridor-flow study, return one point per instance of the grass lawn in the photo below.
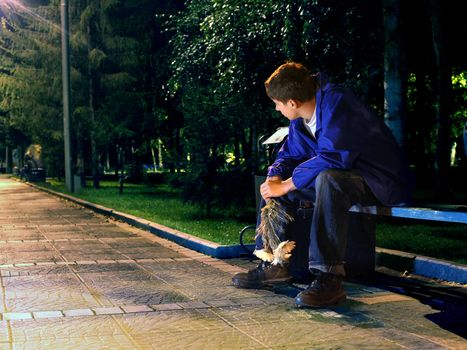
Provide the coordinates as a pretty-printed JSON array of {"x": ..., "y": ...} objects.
[
  {"x": 163, "y": 205},
  {"x": 439, "y": 240}
]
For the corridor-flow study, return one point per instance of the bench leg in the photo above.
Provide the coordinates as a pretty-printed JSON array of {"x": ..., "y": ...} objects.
[{"x": 361, "y": 244}]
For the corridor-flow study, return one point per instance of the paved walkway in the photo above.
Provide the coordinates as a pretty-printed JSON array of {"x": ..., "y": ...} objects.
[{"x": 71, "y": 279}]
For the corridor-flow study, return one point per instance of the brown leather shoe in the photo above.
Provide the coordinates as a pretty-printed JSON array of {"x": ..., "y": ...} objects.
[
  {"x": 325, "y": 290},
  {"x": 265, "y": 274}
]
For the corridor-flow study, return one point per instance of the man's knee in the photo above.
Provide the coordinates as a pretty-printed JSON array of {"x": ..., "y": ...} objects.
[{"x": 328, "y": 177}]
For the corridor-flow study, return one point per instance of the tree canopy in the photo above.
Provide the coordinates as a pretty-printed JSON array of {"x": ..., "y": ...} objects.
[{"x": 179, "y": 84}]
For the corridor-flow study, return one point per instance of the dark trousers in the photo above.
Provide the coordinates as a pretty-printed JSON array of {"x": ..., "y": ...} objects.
[{"x": 335, "y": 192}]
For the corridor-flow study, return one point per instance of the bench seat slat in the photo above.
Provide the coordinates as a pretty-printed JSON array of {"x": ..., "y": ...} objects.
[{"x": 414, "y": 213}]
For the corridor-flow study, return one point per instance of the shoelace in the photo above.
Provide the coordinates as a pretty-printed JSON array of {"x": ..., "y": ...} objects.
[
  {"x": 317, "y": 282},
  {"x": 260, "y": 268}
]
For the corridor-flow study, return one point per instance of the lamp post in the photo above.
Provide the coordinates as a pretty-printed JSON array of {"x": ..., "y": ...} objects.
[{"x": 66, "y": 93}]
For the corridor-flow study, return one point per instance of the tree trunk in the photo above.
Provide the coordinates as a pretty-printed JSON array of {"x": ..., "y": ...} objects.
[
  {"x": 79, "y": 167},
  {"x": 93, "y": 81},
  {"x": 395, "y": 76},
  {"x": 237, "y": 151},
  {"x": 7, "y": 159},
  {"x": 94, "y": 155},
  {"x": 423, "y": 119},
  {"x": 442, "y": 102}
]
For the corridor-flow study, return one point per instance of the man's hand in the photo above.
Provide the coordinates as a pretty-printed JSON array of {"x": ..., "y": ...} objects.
[{"x": 275, "y": 187}]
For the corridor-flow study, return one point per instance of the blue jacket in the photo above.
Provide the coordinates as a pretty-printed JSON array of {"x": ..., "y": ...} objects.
[{"x": 348, "y": 136}]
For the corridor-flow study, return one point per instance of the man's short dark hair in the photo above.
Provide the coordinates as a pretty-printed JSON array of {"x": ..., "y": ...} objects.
[{"x": 291, "y": 81}]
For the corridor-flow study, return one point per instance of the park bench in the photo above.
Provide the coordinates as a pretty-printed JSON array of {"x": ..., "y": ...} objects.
[{"x": 362, "y": 245}]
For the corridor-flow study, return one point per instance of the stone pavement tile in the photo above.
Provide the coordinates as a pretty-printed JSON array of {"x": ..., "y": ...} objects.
[
  {"x": 17, "y": 316},
  {"x": 107, "y": 310},
  {"x": 45, "y": 221},
  {"x": 57, "y": 229},
  {"x": 412, "y": 341},
  {"x": 87, "y": 219},
  {"x": 23, "y": 285},
  {"x": 102, "y": 278},
  {"x": 228, "y": 339},
  {"x": 417, "y": 319},
  {"x": 82, "y": 255},
  {"x": 132, "y": 288},
  {"x": 132, "y": 243},
  {"x": 20, "y": 252},
  {"x": 56, "y": 292},
  {"x": 165, "y": 268},
  {"x": 82, "y": 245},
  {"x": 212, "y": 291},
  {"x": 193, "y": 305},
  {"x": 47, "y": 314},
  {"x": 209, "y": 277},
  {"x": 120, "y": 342},
  {"x": 136, "y": 308},
  {"x": 192, "y": 274},
  {"x": 6, "y": 235},
  {"x": 75, "y": 234},
  {"x": 64, "y": 328},
  {"x": 282, "y": 327},
  {"x": 167, "y": 307},
  {"x": 265, "y": 314},
  {"x": 78, "y": 312},
  {"x": 20, "y": 247},
  {"x": 107, "y": 268},
  {"x": 59, "y": 302},
  {"x": 38, "y": 270},
  {"x": 381, "y": 298},
  {"x": 4, "y": 338},
  {"x": 149, "y": 253},
  {"x": 28, "y": 257},
  {"x": 171, "y": 322},
  {"x": 221, "y": 303},
  {"x": 108, "y": 231}
]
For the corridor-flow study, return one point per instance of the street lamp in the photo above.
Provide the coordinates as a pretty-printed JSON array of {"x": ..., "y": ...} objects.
[{"x": 66, "y": 93}]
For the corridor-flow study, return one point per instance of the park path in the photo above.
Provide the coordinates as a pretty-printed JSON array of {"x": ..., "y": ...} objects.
[{"x": 73, "y": 279}]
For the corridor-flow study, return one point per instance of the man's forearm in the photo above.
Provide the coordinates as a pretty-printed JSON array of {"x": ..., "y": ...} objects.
[
  {"x": 276, "y": 188},
  {"x": 289, "y": 185}
]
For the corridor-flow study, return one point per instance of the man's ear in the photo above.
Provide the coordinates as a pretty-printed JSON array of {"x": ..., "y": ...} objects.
[{"x": 294, "y": 103}]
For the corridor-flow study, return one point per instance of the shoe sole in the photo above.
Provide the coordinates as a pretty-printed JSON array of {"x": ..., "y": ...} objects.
[
  {"x": 270, "y": 283},
  {"x": 337, "y": 300}
]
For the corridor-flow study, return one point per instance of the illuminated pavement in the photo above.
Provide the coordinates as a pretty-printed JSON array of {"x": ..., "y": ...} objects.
[{"x": 72, "y": 279}]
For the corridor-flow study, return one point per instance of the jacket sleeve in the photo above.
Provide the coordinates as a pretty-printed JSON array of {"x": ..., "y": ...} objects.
[
  {"x": 337, "y": 137},
  {"x": 289, "y": 156}
]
